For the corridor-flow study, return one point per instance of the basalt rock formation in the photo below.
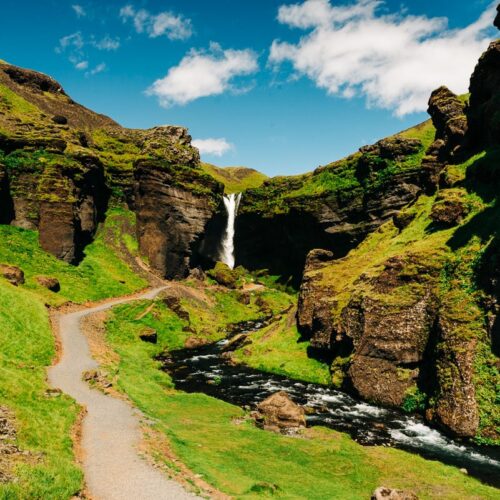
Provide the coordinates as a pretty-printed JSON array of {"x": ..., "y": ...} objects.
[
  {"x": 62, "y": 165},
  {"x": 334, "y": 207},
  {"x": 484, "y": 109},
  {"x": 410, "y": 316}
]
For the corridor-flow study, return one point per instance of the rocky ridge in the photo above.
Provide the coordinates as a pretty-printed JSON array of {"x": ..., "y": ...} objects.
[
  {"x": 62, "y": 166},
  {"x": 409, "y": 317}
]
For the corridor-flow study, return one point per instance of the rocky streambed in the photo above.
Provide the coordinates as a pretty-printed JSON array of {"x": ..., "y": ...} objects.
[{"x": 205, "y": 369}]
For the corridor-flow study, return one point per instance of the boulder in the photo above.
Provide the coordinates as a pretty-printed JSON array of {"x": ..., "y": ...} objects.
[
  {"x": 224, "y": 275},
  {"x": 449, "y": 208},
  {"x": 383, "y": 493},
  {"x": 14, "y": 275},
  {"x": 194, "y": 342},
  {"x": 197, "y": 274},
  {"x": 149, "y": 335},
  {"x": 50, "y": 283},
  {"x": 279, "y": 413}
]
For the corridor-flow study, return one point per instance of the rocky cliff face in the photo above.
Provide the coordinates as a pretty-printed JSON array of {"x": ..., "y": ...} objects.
[
  {"x": 173, "y": 214},
  {"x": 61, "y": 165},
  {"x": 335, "y": 207},
  {"x": 484, "y": 110},
  {"x": 410, "y": 316}
]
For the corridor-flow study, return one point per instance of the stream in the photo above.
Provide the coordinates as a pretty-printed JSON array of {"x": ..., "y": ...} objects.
[{"x": 205, "y": 370}]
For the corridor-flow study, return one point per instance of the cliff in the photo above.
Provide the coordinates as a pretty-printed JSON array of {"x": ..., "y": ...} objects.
[
  {"x": 62, "y": 166},
  {"x": 410, "y": 316}
]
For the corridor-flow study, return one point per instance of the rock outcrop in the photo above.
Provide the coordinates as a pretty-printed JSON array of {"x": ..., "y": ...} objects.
[
  {"x": 14, "y": 275},
  {"x": 383, "y": 329},
  {"x": 61, "y": 165},
  {"x": 335, "y": 207},
  {"x": 383, "y": 493},
  {"x": 410, "y": 314},
  {"x": 175, "y": 202},
  {"x": 483, "y": 113},
  {"x": 279, "y": 413},
  {"x": 48, "y": 282}
]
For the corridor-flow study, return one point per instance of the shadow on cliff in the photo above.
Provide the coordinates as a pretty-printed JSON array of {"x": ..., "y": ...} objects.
[
  {"x": 7, "y": 213},
  {"x": 483, "y": 179},
  {"x": 281, "y": 244}
]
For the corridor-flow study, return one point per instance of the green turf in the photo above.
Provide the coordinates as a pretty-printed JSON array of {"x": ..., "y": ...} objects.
[{"x": 217, "y": 441}]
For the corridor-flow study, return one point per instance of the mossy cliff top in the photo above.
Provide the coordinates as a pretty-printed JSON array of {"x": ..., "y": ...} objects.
[
  {"x": 342, "y": 180},
  {"x": 235, "y": 179},
  {"x": 37, "y": 114}
]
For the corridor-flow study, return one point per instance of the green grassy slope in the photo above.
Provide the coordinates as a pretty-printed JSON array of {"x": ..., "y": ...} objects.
[
  {"x": 44, "y": 420},
  {"x": 235, "y": 179},
  {"x": 218, "y": 441},
  {"x": 455, "y": 253},
  {"x": 279, "y": 194}
]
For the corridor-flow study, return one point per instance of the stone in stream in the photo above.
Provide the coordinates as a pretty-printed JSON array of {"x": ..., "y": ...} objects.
[
  {"x": 383, "y": 493},
  {"x": 279, "y": 413},
  {"x": 14, "y": 275}
]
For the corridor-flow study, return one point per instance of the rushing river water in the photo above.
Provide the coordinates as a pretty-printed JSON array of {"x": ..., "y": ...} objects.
[{"x": 205, "y": 370}]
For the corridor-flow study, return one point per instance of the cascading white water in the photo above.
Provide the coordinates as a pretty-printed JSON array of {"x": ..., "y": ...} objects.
[{"x": 231, "y": 202}]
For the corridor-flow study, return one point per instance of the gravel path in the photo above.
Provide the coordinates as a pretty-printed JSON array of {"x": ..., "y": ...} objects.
[{"x": 110, "y": 431}]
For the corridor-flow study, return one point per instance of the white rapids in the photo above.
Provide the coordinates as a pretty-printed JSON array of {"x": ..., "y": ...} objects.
[{"x": 231, "y": 202}]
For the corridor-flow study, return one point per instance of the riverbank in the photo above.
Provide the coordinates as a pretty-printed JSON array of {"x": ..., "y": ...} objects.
[{"x": 218, "y": 441}]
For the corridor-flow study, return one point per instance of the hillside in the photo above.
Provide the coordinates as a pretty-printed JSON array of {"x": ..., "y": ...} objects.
[
  {"x": 235, "y": 179},
  {"x": 369, "y": 288}
]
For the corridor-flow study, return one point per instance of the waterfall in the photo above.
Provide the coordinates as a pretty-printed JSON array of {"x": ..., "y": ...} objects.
[{"x": 231, "y": 202}]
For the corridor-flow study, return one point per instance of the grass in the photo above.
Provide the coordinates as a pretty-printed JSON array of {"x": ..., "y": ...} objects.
[
  {"x": 235, "y": 179},
  {"x": 278, "y": 349},
  {"x": 101, "y": 274},
  {"x": 217, "y": 441},
  {"x": 44, "y": 422}
]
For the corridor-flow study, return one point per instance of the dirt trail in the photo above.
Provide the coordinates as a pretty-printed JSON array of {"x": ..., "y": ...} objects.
[{"x": 110, "y": 430}]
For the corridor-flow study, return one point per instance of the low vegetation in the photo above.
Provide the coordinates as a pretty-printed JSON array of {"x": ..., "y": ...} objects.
[
  {"x": 251, "y": 463},
  {"x": 235, "y": 179}
]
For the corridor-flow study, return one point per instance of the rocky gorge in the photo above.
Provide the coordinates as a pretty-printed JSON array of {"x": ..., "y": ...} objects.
[{"x": 394, "y": 250}]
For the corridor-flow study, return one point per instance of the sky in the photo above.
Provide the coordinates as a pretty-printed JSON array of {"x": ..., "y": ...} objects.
[{"x": 278, "y": 85}]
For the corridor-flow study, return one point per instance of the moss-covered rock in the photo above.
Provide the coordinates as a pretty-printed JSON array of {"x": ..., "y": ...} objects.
[{"x": 224, "y": 275}]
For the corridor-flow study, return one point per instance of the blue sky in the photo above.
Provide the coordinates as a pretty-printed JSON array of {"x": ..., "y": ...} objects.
[{"x": 282, "y": 86}]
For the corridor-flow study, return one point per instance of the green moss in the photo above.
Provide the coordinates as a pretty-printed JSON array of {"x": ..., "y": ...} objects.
[
  {"x": 235, "y": 179},
  {"x": 414, "y": 400}
]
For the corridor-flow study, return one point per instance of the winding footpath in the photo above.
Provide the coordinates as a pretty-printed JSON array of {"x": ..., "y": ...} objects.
[{"x": 110, "y": 430}]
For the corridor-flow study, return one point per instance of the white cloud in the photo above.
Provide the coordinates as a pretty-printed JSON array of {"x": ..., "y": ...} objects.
[
  {"x": 82, "y": 65},
  {"x": 215, "y": 147},
  {"x": 106, "y": 43},
  {"x": 73, "y": 41},
  {"x": 97, "y": 69},
  {"x": 202, "y": 74},
  {"x": 174, "y": 27},
  {"x": 79, "y": 10},
  {"x": 395, "y": 60}
]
